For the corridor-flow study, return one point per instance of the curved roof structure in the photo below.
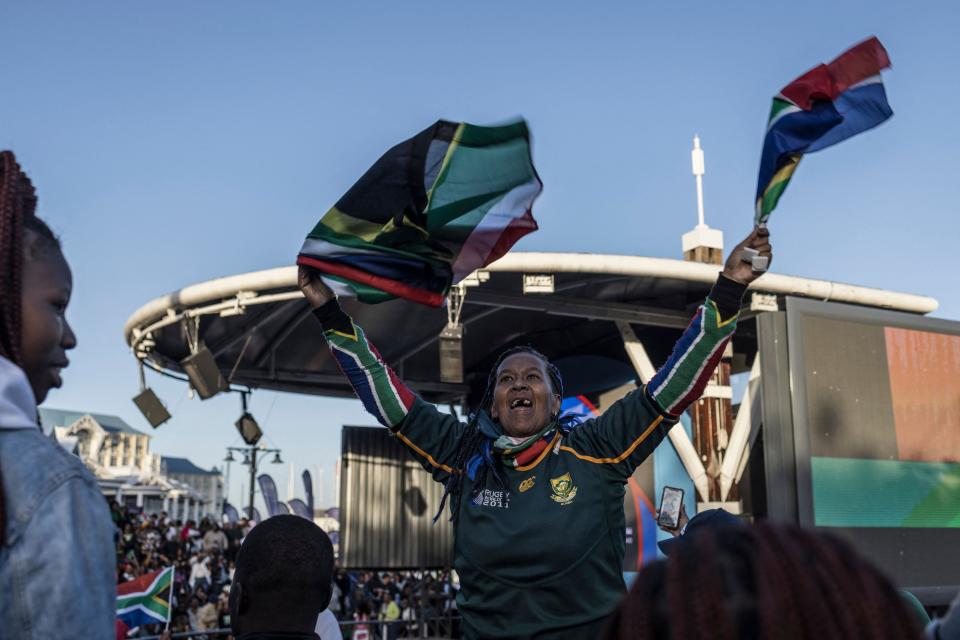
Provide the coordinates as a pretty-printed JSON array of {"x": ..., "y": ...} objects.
[{"x": 259, "y": 329}]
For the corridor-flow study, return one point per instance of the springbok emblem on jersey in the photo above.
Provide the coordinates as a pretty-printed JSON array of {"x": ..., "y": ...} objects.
[{"x": 564, "y": 491}]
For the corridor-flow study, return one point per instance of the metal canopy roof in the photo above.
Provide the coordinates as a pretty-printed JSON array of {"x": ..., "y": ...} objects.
[{"x": 258, "y": 325}]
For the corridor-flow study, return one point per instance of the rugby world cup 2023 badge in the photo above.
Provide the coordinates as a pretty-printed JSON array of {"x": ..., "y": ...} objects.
[{"x": 564, "y": 491}]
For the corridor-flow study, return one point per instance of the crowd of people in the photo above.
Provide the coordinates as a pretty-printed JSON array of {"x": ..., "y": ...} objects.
[
  {"x": 204, "y": 554},
  {"x": 399, "y": 602},
  {"x": 536, "y": 505}
]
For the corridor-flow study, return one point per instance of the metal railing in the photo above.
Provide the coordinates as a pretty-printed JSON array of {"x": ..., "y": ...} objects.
[{"x": 433, "y": 628}]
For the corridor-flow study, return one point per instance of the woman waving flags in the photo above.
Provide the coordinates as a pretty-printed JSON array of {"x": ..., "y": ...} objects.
[{"x": 537, "y": 503}]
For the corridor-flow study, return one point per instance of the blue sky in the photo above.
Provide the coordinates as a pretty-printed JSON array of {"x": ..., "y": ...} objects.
[{"x": 179, "y": 141}]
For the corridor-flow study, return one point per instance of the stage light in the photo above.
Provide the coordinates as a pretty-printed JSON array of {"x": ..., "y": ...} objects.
[
  {"x": 151, "y": 407},
  {"x": 451, "y": 354},
  {"x": 205, "y": 377},
  {"x": 149, "y": 404},
  {"x": 451, "y": 338},
  {"x": 538, "y": 283},
  {"x": 249, "y": 429}
]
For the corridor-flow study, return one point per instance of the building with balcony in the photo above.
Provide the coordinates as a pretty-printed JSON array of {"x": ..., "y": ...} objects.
[{"x": 119, "y": 457}]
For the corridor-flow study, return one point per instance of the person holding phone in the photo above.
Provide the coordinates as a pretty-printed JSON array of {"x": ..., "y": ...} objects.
[
  {"x": 679, "y": 525},
  {"x": 537, "y": 501}
]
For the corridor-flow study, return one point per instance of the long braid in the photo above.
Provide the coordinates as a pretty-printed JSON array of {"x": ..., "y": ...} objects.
[
  {"x": 473, "y": 441},
  {"x": 17, "y": 202},
  {"x": 18, "y": 205}
]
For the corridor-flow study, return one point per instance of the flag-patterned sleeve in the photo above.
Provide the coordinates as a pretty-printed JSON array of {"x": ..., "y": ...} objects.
[
  {"x": 632, "y": 427},
  {"x": 431, "y": 435},
  {"x": 382, "y": 393},
  {"x": 682, "y": 379}
]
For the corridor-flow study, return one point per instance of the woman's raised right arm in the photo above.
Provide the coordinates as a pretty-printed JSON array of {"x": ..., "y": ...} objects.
[{"x": 431, "y": 435}]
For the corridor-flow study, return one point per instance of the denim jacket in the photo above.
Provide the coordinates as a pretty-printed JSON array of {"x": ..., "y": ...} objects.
[{"x": 57, "y": 562}]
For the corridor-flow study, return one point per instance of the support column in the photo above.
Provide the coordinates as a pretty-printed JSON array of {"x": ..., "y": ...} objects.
[{"x": 678, "y": 436}]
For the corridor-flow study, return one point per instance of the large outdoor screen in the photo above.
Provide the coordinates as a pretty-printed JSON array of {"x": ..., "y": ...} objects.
[{"x": 876, "y": 409}]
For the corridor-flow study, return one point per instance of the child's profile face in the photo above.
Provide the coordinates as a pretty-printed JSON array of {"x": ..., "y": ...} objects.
[{"x": 46, "y": 335}]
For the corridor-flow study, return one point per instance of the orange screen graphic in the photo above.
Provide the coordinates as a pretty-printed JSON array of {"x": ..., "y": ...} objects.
[{"x": 925, "y": 386}]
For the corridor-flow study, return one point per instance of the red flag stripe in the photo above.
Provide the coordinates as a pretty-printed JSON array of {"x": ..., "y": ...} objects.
[
  {"x": 827, "y": 81},
  {"x": 384, "y": 284}
]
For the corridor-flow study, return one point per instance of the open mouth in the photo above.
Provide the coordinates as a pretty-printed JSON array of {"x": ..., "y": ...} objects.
[{"x": 521, "y": 403}]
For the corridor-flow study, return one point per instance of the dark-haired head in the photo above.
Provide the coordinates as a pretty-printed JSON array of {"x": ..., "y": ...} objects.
[
  {"x": 35, "y": 285},
  {"x": 762, "y": 581},
  {"x": 523, "y": 393},
  {"x": 283, "y": 577}
]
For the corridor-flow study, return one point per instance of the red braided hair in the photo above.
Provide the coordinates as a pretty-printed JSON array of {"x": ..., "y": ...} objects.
[
  {"x": 762, "y": 581},
  {"x": 18, "y": 201}
]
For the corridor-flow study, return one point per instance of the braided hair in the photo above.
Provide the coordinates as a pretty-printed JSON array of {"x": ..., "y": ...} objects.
[
  {"x": 762, "y": 581},
  {"x": 22, "y": 233},
  {"x": 473, "y": 440}
]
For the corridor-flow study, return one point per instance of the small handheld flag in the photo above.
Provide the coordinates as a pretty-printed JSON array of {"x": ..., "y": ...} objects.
[
  {"x": 824, "y": 106},
  {"x": 145, "y": 600},
  {"x": 433, "y": 209}
]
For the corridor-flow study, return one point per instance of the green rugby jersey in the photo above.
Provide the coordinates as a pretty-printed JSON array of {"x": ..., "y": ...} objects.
[{"x": 543, "y": 556}]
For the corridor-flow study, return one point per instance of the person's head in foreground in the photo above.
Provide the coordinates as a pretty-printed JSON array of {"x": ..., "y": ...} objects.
[
  {"x": 283, "y": 576},
  {"x": 762, "y": 581},
  {"x": 35, "y": 285}
]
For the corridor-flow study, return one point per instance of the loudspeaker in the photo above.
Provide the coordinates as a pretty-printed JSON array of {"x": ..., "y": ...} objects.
[
  {"x": 151, "y": 408},
  {"x": 249, "y": 429},
  {"x": 204, "y": 374},
  {"x": 451, "y": 354}
]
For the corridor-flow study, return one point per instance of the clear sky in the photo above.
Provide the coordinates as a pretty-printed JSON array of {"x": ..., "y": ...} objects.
[{"x": 174, "y": 142}]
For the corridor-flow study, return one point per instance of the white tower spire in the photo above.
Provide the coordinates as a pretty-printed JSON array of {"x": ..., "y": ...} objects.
[
  {"x": 697, "y": 160},
  {"x": 701, "y": 244}
]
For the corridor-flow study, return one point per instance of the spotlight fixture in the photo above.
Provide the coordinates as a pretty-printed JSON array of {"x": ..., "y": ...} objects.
[
  {"x": 249, "y": 429},
  {"x": 276, "y": 459},
  {"x": 229, "y": 457},
  {"x": 149, "y": 404},
  {"x": 201, "y": 367},
  {"x": 451, "y": 338},
  {"x": 451, "y": 354},
  {"x": 246, "y": 425},
  {"x": 246, "y": 459}
]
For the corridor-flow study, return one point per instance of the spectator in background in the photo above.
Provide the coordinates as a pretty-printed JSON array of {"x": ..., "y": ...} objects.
[
  {"x": 193, "y": 614},
  {"x": 57, "y": 561},
  {"x": 762, "y": 581},
  {"x": 282, "y": 581},
  {"x": 199, "y": 572},
  {"x": 215, "y": 540},
  {"x": 709, "y": 519}
]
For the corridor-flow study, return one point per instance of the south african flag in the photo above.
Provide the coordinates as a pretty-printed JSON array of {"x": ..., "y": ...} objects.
[
  {"x": 824, "y": 106},
  {"x": 434, "y": 208},
  {"x": 145, "y": 600}
]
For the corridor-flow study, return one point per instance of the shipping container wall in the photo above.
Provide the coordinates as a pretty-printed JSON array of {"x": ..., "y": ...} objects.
[{"x": 387, "y": 504}]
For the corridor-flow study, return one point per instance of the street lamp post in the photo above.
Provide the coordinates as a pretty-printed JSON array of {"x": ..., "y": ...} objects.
[{"x": 250, "y": 457}]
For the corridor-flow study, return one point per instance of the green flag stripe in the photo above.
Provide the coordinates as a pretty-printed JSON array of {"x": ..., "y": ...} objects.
[{"x": 778, "y": 105}]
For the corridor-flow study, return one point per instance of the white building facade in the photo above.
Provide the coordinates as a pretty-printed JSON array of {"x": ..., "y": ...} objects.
[{"x": 120, "y": 458}]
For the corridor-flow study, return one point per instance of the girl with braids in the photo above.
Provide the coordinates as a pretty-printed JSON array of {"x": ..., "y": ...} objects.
[
  {"x": 57, "y": 559},
  {"x": 536, "y": 503},
  {"x": 759, "y": 582}
]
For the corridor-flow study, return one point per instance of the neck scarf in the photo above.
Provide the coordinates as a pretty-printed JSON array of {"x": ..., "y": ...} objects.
[{"x": 510, "y": 451}]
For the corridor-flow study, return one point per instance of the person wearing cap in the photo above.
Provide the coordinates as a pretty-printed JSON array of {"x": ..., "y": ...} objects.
[
  {"x": 709, "y": 519},
  {"x": 536, "y": 500}
]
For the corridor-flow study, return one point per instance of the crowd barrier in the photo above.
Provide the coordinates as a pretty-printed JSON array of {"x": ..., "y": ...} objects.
[{"x": 436, "y": 628}]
